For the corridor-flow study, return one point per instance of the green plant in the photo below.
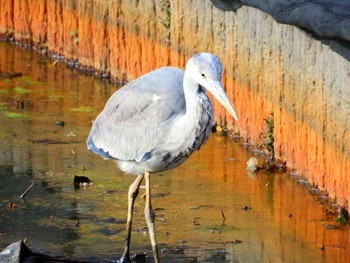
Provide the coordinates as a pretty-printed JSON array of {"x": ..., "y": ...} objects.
[
  {"x": 166, "y": 17},
  {"x": 74, "y": 36},
  {"x": 343, "y": 215},
  {"x": 268, "y": 136}
]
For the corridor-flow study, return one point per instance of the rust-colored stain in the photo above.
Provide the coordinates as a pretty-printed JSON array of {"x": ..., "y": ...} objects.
[{"x": 266, "y": 68}]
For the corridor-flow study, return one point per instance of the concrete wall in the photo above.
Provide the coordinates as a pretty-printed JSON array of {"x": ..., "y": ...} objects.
[{"x": 268, "y": 67}]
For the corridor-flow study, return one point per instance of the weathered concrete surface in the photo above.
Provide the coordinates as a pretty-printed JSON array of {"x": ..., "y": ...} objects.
[{"x": 268, "y": 67}]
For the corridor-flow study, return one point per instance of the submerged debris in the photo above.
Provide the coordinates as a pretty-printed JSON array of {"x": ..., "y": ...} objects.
[
  {"x": 140, "y": 257},
  {"x": 195, "y": 223},
  {"x": 60, "y": 123},
  {"x": 8, "y": 75},
  {"x": 20, "y": 104},
  {"x": 81, "y": 181},
  {"x": 331, "y": 226},
  {"x": 246, "y": 208},
  {"x": 175, "y": 250},
  {"x": 215, "y": 230},
  {"x": 28, "y": 189},
  {"x": 11, "y": 205},
  {"x": 52, "y": 141},
  {"x": 235, "y": 242},
  {"x": 222, "y": 214}
]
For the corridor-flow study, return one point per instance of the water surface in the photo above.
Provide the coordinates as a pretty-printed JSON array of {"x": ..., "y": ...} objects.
[{"x": 269, "y": 217}]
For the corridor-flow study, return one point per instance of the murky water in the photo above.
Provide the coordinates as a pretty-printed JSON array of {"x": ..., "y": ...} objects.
[{"x": 268, "y": 217}]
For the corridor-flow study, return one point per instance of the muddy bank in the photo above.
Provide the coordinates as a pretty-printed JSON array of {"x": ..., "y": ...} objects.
[{"x": 268, "y": 67}]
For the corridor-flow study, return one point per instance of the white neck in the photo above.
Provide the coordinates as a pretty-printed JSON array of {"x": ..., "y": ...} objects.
[{"x": 190, "y": 87}]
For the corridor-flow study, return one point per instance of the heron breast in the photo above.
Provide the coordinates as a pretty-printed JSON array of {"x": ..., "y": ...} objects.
[{"x": 201, "y": 130}]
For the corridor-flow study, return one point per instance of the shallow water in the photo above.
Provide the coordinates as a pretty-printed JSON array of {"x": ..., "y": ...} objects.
[{"x": 269, "y": 217}]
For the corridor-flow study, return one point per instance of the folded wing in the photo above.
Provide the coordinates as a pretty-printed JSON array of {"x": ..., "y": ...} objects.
[{"x": 129, "y": 127}]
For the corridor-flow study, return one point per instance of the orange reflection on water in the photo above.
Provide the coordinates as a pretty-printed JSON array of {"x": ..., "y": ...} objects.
[{"x": 211, "y": 206}]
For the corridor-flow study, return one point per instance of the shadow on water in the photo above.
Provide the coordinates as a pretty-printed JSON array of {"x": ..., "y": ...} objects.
[{"x": 45, "y": 116}]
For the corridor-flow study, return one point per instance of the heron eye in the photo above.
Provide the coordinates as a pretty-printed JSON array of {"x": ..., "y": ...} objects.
[{"x": 203, "y": 75}]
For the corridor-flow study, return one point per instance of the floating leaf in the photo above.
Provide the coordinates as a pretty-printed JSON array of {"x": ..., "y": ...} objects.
[
  {"x": 6, "y": 81},
  {"x": 83, "y": 109},
  {"x": 30, "y": 81},
  {"x": 15, "y": 115},
  {"x": 25, "y": 78},
  {"x": 20, "y": 90},
  {"x": 55, "y": 97},
  {"x": 36, "y": 82}
]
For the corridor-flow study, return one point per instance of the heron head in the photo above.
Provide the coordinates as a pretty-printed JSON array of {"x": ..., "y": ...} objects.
[{"x": 206, "y": 70}]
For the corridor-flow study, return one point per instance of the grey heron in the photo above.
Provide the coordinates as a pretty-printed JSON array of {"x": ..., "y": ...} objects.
[{"x": 155, "y": 122}]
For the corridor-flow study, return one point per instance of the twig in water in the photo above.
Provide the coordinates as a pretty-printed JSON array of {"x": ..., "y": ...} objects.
[
  {"x": 223, "y": 215},
  {"x": 30, "y": 187}
]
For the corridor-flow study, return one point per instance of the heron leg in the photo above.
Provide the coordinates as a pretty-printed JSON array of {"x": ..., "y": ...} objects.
[
  {"x": 132, "y": 194},
  {"x": 150, "y": 216}
]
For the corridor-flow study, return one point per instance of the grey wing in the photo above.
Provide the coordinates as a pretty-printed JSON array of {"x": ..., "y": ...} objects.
[{"x": 137, "y": 117}]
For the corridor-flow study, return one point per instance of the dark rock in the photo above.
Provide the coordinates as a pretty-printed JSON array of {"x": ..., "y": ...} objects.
[
  {"x": 18, "y": 252},
  {"x": 81, "y": 181},
  {"x": 227, "y": 5},
  {"x": 326, "y": 20}
]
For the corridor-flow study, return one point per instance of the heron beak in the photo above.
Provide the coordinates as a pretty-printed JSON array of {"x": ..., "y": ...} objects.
[{"x": 215, "y": 88}]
